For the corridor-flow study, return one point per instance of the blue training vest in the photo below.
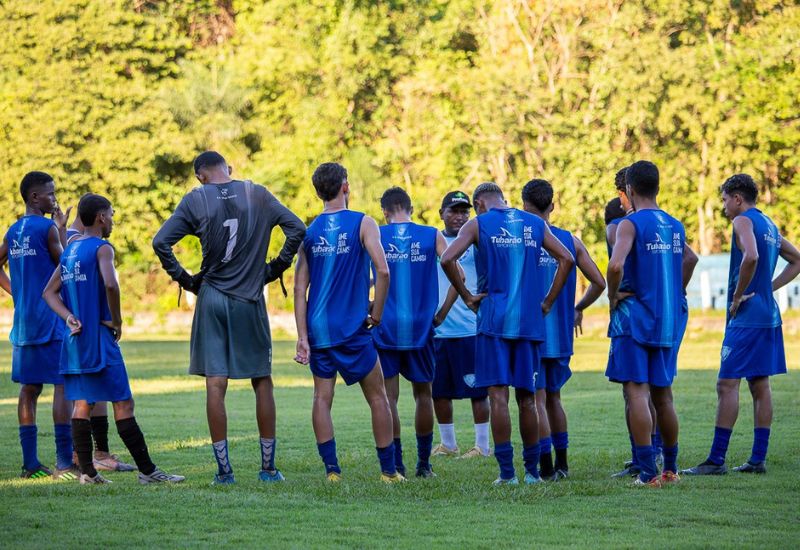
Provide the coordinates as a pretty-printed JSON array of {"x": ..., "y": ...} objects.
[
  {"x": 508, "y": 250},
  {"x": 30, "y": 268},
  {"x": 338, "y": 295},
  {"x": 559, "y": 323},
  {"x": 760, "y": 311},
  {"x": 413, "y": 289}
]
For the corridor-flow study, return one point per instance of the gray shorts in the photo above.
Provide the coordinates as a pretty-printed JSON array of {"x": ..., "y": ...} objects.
[{"x": 230, "y": 337}]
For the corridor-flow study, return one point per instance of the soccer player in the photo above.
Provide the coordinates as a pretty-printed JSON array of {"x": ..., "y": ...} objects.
[
  {"x": 651, "y": 250},
  {"x": 92, "y": 362},
  {"x": 454, "y": 344},
  {"x": 334, "y": 315},
  {"x": 510, "y": 325},
  {"x": 104, "y": 460},
  {"x": 32, "y": 247},
  {"x": 560, "y": 324},
  {"x": 404, "y": 337},
  {"x": 230, "y": 331},
  {"x": 753, "y": 343}
]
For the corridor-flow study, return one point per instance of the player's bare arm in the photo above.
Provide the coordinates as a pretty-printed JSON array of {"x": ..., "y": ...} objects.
[
  {"x": 789, "y": 253},
  {"x": 61, "y": 219},
  {"x": 5, "y": 282},
  {"x": 746, "y": 241},
  {"x": 626, "y": 234},
  {"x": 371, "y": 239},
  {"x": 302, "y": 279},
  {"x": 467, "y": 236},
  {"x": 597, "y": 284},
  {"x": 105, "y": 261},
  {"x": 566, "y": 262},
  {"x": 52, "y": 296},
  {"x": 689, "y": 263}
]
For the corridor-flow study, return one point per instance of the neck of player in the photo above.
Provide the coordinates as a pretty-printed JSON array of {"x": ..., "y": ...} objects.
[
  {"x": 339, "y": 203},
  {"x": 398, "y": 217},
  {"x": 642, "y": 203}
]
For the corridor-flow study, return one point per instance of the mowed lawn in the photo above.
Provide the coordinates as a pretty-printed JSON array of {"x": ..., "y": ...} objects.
[{"x": 459, "y": 508}]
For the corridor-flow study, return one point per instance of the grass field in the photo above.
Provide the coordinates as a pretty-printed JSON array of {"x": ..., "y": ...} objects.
[{"x": 459, "y": 508}]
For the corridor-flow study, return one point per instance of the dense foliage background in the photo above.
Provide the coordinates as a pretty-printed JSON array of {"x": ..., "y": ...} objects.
[{"x": 118, "y": 96}]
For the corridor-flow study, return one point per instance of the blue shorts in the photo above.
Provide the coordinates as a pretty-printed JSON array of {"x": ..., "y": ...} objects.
[
  {"x": 37, "y": 364},
  {"x": 556, "y": 373},
  {"x": 752, "y": 352},
  {"x": 416, "y": 365},
  {"x": 455, "y": 369},
  {"x": 504, "y": 362},
  {"x": 630, "y": 361},
  {"x": 107, "y": 384},
  {"x": 353, "y": 359}
]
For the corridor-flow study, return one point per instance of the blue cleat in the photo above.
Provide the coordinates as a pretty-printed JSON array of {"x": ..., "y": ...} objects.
[
  {"x": 531, "y": 479},
  {"x": 501, "y": 481},
  {"x": 223, "y": 479},
  {"x": 272, "y": 476}
]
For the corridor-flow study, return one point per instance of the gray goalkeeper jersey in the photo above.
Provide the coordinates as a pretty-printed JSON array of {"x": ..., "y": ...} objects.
[{"x": 233, "y": 221}]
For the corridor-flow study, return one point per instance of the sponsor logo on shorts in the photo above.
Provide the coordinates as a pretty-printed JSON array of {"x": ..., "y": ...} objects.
[
  {"x": 725, "y": 352},
  {"x": 469, "y": 380}
]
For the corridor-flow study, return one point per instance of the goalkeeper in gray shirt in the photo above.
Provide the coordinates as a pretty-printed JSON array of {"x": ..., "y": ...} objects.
[{"x": 230, "y": 332}]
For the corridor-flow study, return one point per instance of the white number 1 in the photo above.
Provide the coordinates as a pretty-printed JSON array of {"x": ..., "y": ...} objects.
[{"x": 233, "y": 228}]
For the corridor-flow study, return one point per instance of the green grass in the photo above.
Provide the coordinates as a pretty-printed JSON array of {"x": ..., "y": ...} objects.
[{"x": 459, "y": 508}]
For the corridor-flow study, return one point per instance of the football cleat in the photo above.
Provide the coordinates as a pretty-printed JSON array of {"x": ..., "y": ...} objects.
[
  {"x": 502, "y": 481},
  {"x": 750, "y": 468},
  {"x": 654, "y": 483},
  {"x": 706, "y": 468},
  {"x": 559, "y": 474},
  {"x": 97, "y": 479},
  {"x": 271, "y": 476},
  {"x": 39, "y": 472},
  {"x": 475, "y": 452},
  {"x": 159, "y": 476},
  {"x": 630, "y": 470},
  {"x": 441, "y": 450},
  {"x": 531, "y": 479},
  {"x": 668, "y": 477},
  {"x": 425, "y": 472},
  {"x": 224, "y": 479},
  {"x": 70, "y": 473},
  {"x": 334, "y": 477},
  {"x": 106, "y": 462},
  {"x": 396, "y": 477}
]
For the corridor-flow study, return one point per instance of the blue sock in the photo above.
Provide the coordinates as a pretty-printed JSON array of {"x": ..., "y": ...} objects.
[
  {"x": 560, "y": 441},
  {"x": 268, "y": 454},
  {"x": 670, "y": 458},
  {"x": 221, "y": 454},
  {"x": 63, "y": 445},
  {"x": 398, "y": 456},
  {"x": 424, "y": 444},
  {"x": 719, "y": 448},
  {"x": 760, "y": 444},
  {"x": 27, "y": 438},
  {"x": 504, "y": 453},
  {"x": 386, "y": 456},
  {"x": 545, "y": 445},
  {"x": 634, "y": 458},
  {"x": 646, "y": 456},
  {"x": 658, "y": 446},
  {"x": 530, "y": 457},
  {"x": 327, "y": 452}
]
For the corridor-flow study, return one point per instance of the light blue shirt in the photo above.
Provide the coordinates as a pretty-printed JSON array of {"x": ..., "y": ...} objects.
[{"x": 461, "y": 321}]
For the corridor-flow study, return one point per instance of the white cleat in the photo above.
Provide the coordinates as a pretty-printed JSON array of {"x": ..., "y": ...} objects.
[{"x": 159, "y": 476}]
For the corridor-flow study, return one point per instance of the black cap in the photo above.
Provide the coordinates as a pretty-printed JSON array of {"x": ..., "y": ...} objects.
[{"x": 456, "y": 198}]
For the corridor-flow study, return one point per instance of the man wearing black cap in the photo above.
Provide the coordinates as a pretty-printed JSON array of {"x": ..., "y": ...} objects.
[{"x": 455, "y": 345}]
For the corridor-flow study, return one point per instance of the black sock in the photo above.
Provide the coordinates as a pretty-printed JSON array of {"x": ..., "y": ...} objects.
[
  {"x": 133, "y": 438},
  {"x": 82, "y": 443},
  {"x": 546, "y": 464},
  {"x": 561, "y": 460},
  {"x": 100, "y": 433}
]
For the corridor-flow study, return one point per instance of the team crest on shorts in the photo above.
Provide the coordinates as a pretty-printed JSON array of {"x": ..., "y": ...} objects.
[
  {"x": 726, "y": 351},
  {"x": 469, "y": 380}
]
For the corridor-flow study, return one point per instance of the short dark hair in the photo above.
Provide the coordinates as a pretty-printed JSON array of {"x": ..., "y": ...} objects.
[
  {"x": 486, "y": 188},
  {"x": 328, "y": 179},
  {"x": 742, "y": 184},
  {"x": 89, "y": 206},
  {"x": 539, "y": 193},
  {"x": 32, "y": 180},
  {"x": 619, "y": 179},
  {"x": 394, "y": 199},
  {"x": 614, "y": 210},
  {"x": 208, "y": 159},
  {"x": 642, "y": 176}
]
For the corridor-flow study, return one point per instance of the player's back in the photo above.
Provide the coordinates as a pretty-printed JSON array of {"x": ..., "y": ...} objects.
[
  {"x": 338, "y": 263},
  {"x": 233, "y": 224},
  {"x": 31, "y": 267},
  {"x": 410, "y": 251},
  {"x": 654, "y": 269},
  {"x": 509, "y": 241},
  {"x": 84, "y": 294},
  {"x": 560, "y": 321},
  {"x": 760, "y": 311},
  {"x": 460, "y": 321}
]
